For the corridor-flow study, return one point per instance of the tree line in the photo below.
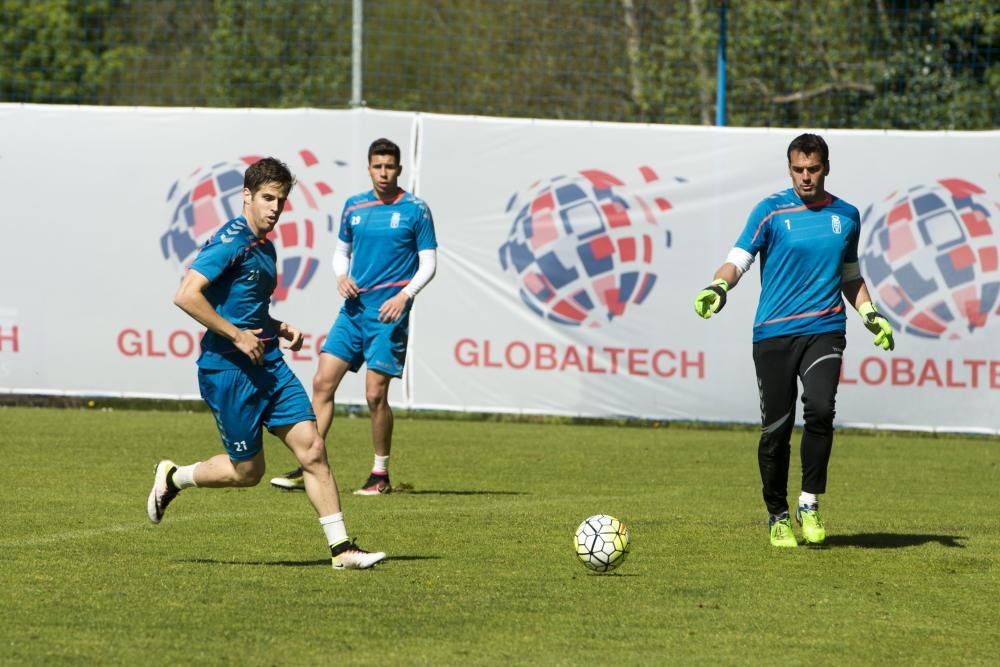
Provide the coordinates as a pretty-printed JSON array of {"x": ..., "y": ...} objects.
[{"x": 903, "y": 64}]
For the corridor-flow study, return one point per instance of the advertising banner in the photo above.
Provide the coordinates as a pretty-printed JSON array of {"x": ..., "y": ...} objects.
[
  {"x": 569, "y": 256},
  {"x": 107, "y": 208}
]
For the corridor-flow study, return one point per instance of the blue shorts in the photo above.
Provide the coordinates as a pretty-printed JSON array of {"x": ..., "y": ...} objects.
[
  {"x": 358, "y": 337},
  {"x": 244, "y": 400}
]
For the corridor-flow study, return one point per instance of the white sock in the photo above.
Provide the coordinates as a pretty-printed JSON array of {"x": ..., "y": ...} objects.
[
  {"x": 381, "y": 465},
  {"x": 333, "y": 526},
  {"x": 808, "y": 499},
  {"x": 184, "y": 476}
]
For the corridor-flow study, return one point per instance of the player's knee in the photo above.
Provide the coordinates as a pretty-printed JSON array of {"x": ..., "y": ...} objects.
[
  {"x": 313, "y": 458},
  {"x": 248, "y": 476},
  {"x": 819, "y": 416},
  {"x": 322, "y": 386},
  {"x": 321, "y": 389},
  {"x": 377, "y": 399},
  {"x": 772, "y": 444}
]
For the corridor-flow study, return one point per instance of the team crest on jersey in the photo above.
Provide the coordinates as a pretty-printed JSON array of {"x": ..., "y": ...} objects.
[
  {"x": 836, "y": 224},
  {"x": 394, "y": 220}
]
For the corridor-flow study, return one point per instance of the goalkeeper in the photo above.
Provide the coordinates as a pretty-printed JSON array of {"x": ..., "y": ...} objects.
[{"x": 807, "y": 240}]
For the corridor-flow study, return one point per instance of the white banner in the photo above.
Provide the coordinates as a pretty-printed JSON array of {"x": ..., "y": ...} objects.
[
  {"x": 569, "y": 257},
  {"x": 106, "y": 208},
  {"x": 552, "y": 214}
]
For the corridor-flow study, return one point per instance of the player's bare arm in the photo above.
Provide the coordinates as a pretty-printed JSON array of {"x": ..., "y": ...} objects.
[
  {"x": 191, "y": 299},
  {"x": 856, "y": 292},
  {"x": 730, "y": 273}
]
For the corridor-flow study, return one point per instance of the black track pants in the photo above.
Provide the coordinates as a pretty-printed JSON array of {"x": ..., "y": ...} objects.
[{"x": 781, "y": 363}]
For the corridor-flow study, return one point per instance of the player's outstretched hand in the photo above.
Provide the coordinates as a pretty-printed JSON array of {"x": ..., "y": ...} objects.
[
  {"x": 878, "y": 325},
  {"x": 711, "y": 299},
  {"x": 248, "y": 343}
]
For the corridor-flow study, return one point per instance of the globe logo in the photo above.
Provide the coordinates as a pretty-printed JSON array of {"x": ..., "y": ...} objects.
[
  {"x": 582, "y": 248},
  {"x": 931, "y": 258},
  {"x": 209, "y": 197}
]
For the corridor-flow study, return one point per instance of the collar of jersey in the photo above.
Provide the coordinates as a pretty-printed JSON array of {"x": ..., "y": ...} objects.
[{"x": 376, "y": 199}]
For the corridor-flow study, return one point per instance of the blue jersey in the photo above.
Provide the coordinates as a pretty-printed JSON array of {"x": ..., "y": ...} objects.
[
  {"x": 802, "y": 250},
  {"x": 385, "y": 239},
  {"x": 242, "y": 273}
]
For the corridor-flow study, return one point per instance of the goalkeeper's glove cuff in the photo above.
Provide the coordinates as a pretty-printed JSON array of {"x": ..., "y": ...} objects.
[
  {"x": 870, "y": 315},
  {"x": 712, "y": 298},
  {"x": 878, "y": 325},
  {"x": 720, "y": 287}
]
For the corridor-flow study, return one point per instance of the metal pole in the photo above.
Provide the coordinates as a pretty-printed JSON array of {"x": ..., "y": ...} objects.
[
  {"x": 357, "y": 51},
  {"x": 720, "y": 76}
]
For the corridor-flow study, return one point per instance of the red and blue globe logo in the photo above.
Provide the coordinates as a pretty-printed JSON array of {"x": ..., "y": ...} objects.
[
  {"x": 932, "y": 258},
  {"x": 211, "y": 196},
  {"x": 582, "y": 249}
]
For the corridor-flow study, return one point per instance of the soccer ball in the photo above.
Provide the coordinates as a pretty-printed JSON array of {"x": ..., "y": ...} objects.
[{"x": 601, "y": 542}]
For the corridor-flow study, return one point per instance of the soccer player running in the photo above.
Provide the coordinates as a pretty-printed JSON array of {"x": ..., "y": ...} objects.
[
  {"x": 242, "y": 374},
  {"x": 386, "y": 253},
  {"x": 808, "y": 243}
]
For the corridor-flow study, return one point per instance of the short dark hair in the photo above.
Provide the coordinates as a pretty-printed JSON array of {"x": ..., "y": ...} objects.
[
  {"x": 268, "y": 170},
  {"x": 809, "y": 144},
  {"x": 383, "y": 146}
]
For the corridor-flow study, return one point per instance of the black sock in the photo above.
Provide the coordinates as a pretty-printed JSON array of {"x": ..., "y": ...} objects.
[{"x": 340, "y": 547}]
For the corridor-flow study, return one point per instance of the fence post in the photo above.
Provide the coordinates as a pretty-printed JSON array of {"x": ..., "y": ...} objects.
[
  {"x": 720, "y": 76},
  {"x": 357, "y": 52}
]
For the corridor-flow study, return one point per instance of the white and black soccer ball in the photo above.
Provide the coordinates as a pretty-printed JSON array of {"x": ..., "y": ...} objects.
[{"x": 601, "y": 542}]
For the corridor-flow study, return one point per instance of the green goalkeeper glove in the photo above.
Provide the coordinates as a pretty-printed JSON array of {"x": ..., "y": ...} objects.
[
  {"x": 711, "y": 299},
  {"x": 878, "y": 325}
]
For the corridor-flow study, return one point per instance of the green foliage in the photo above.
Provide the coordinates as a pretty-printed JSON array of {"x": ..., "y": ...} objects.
[
  {"x": 677, "y": 70},
  {"x": 166, "y": 64},
  {"x": 927, "y": 64},
  {"x": 54, "y": 50},
  {"x": 941, "y": 74},
  {"x": 495, "y": 58},
  {"x": 481, "y": 569},
  {"x": 274, "y": 53}
]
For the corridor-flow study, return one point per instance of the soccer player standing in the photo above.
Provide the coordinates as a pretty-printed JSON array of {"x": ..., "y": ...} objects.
[
  {"x": 808, "y": 243},
  {"x": 386, "y": 253},
  {"x": 242, "y": 374}
]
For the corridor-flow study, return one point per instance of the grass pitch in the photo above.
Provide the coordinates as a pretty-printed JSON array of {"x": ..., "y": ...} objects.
[{"x": 481, "y": 569}]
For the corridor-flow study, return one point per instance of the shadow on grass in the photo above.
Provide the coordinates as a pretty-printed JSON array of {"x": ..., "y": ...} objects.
[
  {"x": 454, "y": 492},
  {"x": 436, "y": 492},
  {"x": 282, "y": 563},
  {"x": 291, "y": 563},
  {"x": 891, "y": 540}
]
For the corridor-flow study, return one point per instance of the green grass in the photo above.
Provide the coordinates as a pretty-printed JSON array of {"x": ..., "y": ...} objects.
[{"x": 481, "y": 569}]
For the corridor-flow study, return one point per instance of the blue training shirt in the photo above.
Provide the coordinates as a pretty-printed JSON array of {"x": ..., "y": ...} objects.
[
  {"x": 385, "y": 239},
  {"x": 802, "y": 250},
  {"x": 242, "y": 273}
]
